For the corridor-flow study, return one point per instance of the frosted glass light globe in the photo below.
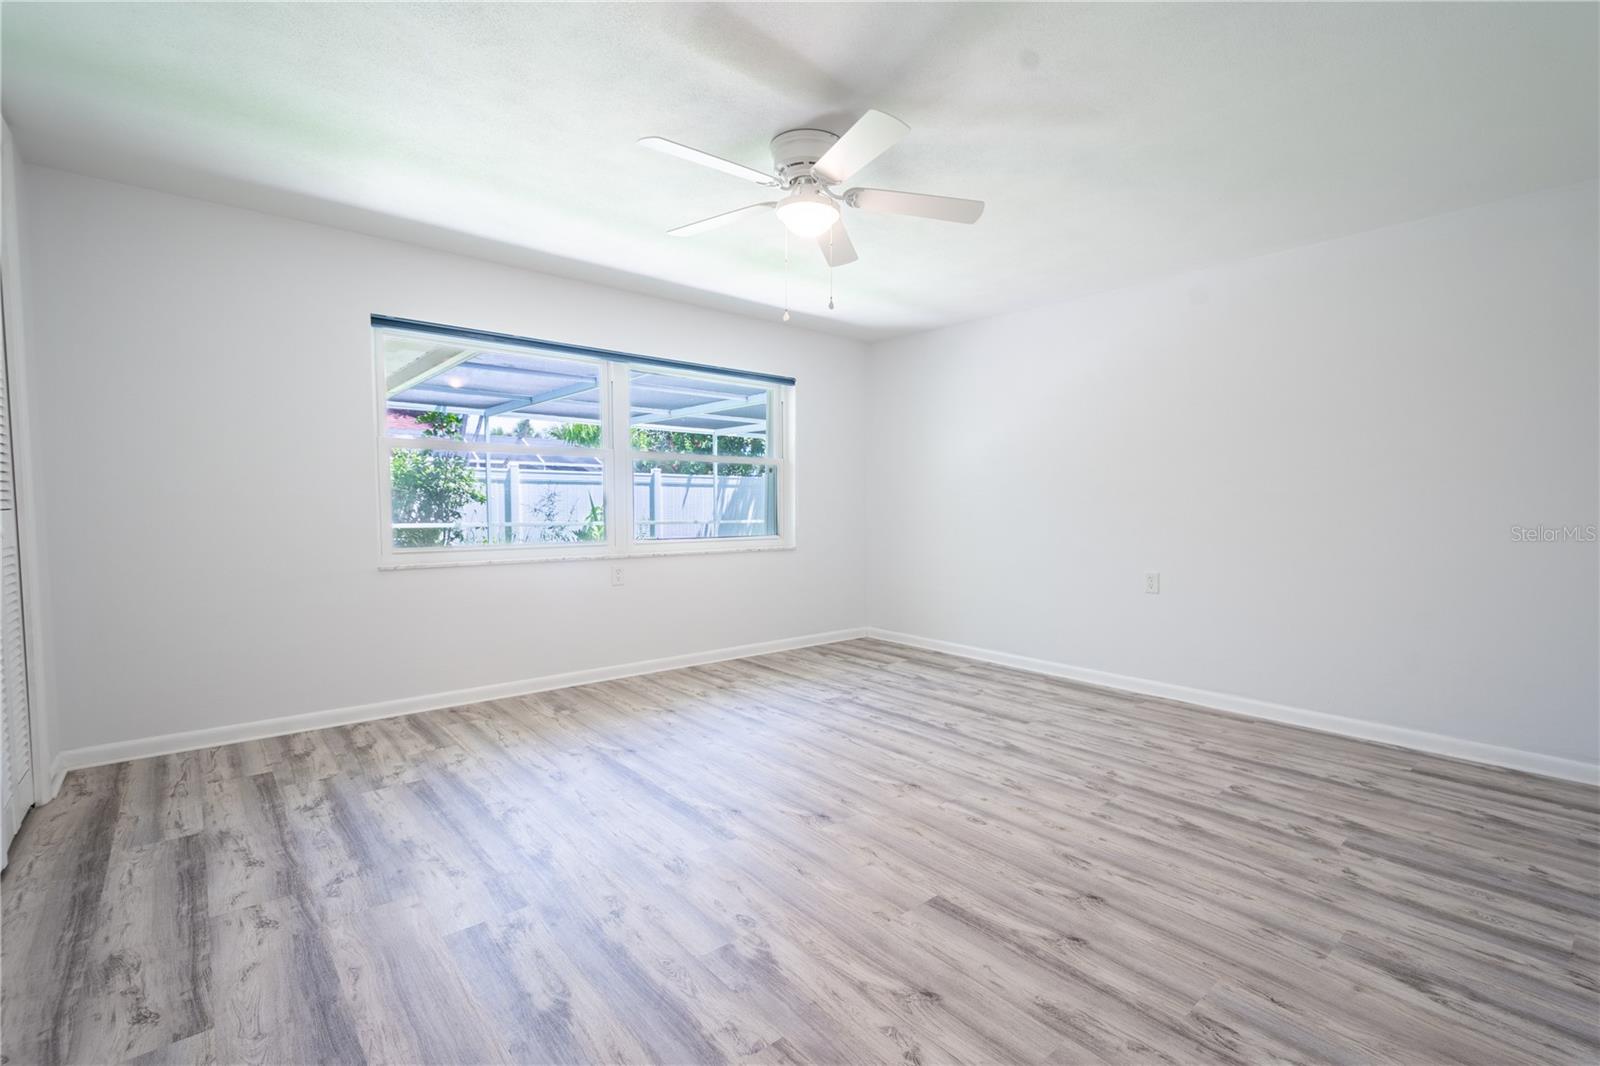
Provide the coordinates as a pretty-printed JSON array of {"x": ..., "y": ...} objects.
[{"x": 807, "y": 213}]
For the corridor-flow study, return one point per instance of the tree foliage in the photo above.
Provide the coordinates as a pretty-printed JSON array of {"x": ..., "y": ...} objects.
[
  {"x": 592, "y": 528},
  {"x": 586, "y": 435}
]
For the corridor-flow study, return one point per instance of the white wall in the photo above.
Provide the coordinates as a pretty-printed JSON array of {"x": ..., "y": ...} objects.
[
  {"x": 201, "y": 394},
  {"x": 1323, "y": 453}
]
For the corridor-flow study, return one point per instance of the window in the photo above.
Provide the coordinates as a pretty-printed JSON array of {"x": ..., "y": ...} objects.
[
  {"x": 498, "y": 448},
  {"x": 680, "y": 430}
]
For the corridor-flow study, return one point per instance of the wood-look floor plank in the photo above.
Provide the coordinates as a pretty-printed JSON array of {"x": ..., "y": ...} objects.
[
  {"x": 857, "y": 853},
  {"x": 277, "y": 997}
]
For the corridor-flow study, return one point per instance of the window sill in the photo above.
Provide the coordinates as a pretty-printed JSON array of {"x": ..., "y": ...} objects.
[{"x": 438, "y": 562}]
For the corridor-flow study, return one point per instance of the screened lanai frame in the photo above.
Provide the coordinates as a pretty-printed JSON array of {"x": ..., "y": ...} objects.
[{"x": 613, "y": 373}]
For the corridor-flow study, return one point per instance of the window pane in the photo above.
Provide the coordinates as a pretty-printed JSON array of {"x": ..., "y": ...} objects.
[
  {"x": 446, "y": 499},
  {"x": 691, "y": 500},
  {"x": 440, "y": 388},
  {"x": 699, "y": 416}
]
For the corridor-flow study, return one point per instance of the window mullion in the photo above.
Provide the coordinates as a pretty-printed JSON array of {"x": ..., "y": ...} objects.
[{"x": 616, "y": 431}]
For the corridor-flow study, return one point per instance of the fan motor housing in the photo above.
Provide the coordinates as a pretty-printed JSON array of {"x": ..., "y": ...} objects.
[{"x": 795, "y": 152}]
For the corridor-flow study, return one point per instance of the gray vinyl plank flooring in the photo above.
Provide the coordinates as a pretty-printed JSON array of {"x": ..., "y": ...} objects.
[{"x": 856, "y": 853}]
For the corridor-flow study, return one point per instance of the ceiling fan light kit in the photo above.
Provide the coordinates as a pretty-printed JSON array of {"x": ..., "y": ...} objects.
[
  {"x": 807, "y": 212},
  {"x": 808, "y": 164}
]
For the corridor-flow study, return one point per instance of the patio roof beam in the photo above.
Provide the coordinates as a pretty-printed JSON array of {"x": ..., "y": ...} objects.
[
  {"x": 732, "y": 429},
  {"x": 677, "y": 385},
  {"x": 700, "y": 409},
  {"x": 543, "y": 372},
  {"x": 449, "y": 397},
  {"x": 433, "y": 361},
  {"x": 560, "y": 393}
]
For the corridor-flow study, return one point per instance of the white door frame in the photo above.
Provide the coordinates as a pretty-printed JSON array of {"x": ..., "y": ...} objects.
[{"x": 29, "y": 543}]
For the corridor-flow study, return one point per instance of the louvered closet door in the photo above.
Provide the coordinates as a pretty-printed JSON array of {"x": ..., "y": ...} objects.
[{"x": 16, "y": 774}]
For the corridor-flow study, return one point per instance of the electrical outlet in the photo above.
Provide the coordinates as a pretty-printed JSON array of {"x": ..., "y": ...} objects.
[
  {"x": 1152, "y": 583},
  {"x": 616, "y": 576}
]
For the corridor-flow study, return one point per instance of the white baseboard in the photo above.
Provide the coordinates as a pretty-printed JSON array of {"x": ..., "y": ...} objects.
[
  {"x": 1433, "y": 743},
  {"x": 58, "y": 775},
  {"x": 167, "y": 744},
  {"x": 1360, "y": 729}
]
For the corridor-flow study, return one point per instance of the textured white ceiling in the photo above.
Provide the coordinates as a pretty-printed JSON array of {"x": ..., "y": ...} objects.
[{"x": 1112, "y": 142}]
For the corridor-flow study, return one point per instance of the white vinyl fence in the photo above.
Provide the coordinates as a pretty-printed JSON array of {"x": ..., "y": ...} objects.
[{"x": 530, "y": 503}]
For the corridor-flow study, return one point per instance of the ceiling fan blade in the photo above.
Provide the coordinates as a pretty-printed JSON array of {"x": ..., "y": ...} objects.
[
  {"x": 718, "y": 221},
  {"x": 873, "y": 134},
  {"x": 836, "y": 247},
  {"x": 943, "y": 208},
  {"x": 706, "y": 159}
]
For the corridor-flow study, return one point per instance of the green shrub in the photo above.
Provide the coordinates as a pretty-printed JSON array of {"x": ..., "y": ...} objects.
[{"x": 427, "y": 486}]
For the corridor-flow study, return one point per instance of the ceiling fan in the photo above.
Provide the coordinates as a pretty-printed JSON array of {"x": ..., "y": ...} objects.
[{"x": 809, "y": 165}]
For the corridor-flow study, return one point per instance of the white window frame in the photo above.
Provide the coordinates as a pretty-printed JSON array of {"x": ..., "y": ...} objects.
[{"x": 617, "y": 457}]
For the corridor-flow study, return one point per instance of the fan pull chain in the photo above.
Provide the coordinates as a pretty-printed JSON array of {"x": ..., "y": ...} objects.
[
  {"x": 830, "y": 267},
  {"x": 786, "y": 274}
]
